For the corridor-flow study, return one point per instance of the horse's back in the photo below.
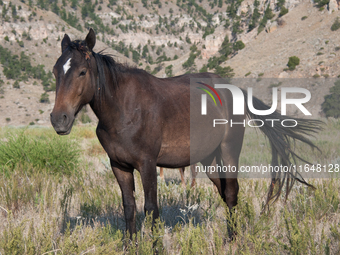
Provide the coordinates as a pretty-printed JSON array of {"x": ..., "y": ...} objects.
[{"x": 185, "y": 78}]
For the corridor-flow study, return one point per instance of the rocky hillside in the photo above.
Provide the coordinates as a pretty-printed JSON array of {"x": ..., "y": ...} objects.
[{"x": 233, "y": 38}]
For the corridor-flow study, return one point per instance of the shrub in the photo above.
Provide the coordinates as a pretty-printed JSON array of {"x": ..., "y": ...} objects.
[
  {"x": 239, "y": 45},
  {"x": 336, "y": 24},
  {"x": 214, "y": 61},
  {"x": 21, "y": 43},
  {"x": 283, "y": 11},
  {"x": 135, "y": 56},
  {"x": 162, "y": 58},
  {"x": 321, "y": 3},
  {"x": 44, "y": 98},
  {"x": 293, "y": 62},
  {"x": 15, "y": 67},
  {"x": 204, "y": 69},
  {"x": 269, "y": 13},
  {"x": 84, "y": 118},
  {"x": 331, "y": 105},
  {"x": 159, "y": 50},
  {"x": 304, "y": 17},
  {"x": 148, "y": 69},
  {"x": 16, "y": 85},
  {"x": 187, "y": 39},
  {"x": 157, "y": 69},
  {"x": 168, "y": 71},
  {"x": 208, "y": 31},
  {"x": 190, "y": 61},
  {"x": 226, "y": 47},
  {"x": 225, "y": 72}
]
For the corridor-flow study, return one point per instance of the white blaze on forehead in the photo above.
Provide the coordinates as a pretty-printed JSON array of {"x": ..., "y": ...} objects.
[{"x": 67, "y": 65}]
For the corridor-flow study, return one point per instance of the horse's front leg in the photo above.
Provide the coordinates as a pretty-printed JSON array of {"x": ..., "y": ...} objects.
[
  {"x": 127, "y": 186},
  {"x": 149, "y": 180}
]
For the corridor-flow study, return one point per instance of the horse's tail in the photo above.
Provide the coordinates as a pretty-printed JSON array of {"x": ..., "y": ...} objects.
[{"x": 281, "y": 140}]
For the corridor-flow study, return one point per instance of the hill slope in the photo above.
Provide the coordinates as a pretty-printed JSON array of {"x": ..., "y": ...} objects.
[{"x": 160, "y": 37}]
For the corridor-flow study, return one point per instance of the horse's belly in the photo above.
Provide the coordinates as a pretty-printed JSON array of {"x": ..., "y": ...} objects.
[
  {"x": 193, "y": 138},
  {"x": 173, "y": 155},
  {"x": 188, "y": 151}
]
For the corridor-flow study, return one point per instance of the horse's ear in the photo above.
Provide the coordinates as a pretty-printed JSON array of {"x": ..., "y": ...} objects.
[
  {"x": 65, "y": 42},
  {"x": 90, "y": 39}
]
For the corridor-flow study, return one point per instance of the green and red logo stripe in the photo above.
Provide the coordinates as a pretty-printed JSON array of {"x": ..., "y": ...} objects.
[{"x": 209, "y": 93}]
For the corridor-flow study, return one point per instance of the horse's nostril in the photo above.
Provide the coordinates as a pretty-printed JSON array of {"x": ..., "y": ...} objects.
[{"x": 64, "y": 118}]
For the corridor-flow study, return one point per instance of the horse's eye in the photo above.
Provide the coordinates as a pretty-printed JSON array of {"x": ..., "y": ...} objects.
[{"x": 82, "y": 73}]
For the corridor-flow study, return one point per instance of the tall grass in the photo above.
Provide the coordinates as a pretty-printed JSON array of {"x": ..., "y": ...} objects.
[
  {"x": 44, "y": 152},
  {"x": 81, "y": 212}
]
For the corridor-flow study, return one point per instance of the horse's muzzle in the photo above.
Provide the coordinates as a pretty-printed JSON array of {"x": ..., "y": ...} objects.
[{"x": 62, "y": 123}]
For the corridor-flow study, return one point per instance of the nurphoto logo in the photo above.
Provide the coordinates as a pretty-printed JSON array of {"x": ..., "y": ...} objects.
[{"x": 239, "y": 104}]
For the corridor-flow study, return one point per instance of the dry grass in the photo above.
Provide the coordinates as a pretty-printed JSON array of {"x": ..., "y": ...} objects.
[{"x": 82, "y": 213}]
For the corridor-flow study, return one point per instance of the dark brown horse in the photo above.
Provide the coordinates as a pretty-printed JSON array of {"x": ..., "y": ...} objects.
[{"x": 144, "y": 122}]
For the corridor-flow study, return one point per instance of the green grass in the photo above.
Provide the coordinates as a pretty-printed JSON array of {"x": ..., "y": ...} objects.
[
  {"x": 43, "y": 152},
  {"x": 81, "y": 212}
]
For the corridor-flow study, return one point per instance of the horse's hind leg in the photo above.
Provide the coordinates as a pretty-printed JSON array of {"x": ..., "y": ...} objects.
[
  {"x": 229, "y": 183},
  {"x": 193, "y": 175},
  {"x": 214, "y": 176},
  {"x": 230, "y": 152},
  {"x": 161, "y": 173},
  {"x": 181, "y": 171},
  {"x": 226, "y": 184},
  {"x": 226, "y": 181},
  {"x": 227, "y": 188}
]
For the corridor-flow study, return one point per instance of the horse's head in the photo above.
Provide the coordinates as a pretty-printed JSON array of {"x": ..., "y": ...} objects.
[{"x": 75, "y": 73}]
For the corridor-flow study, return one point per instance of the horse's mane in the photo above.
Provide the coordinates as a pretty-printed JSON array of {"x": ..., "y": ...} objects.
[{"x": 116, "y": 70}]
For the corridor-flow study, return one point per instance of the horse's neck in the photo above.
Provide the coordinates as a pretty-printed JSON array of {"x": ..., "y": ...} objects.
[{"x": 104, "y": 103}]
